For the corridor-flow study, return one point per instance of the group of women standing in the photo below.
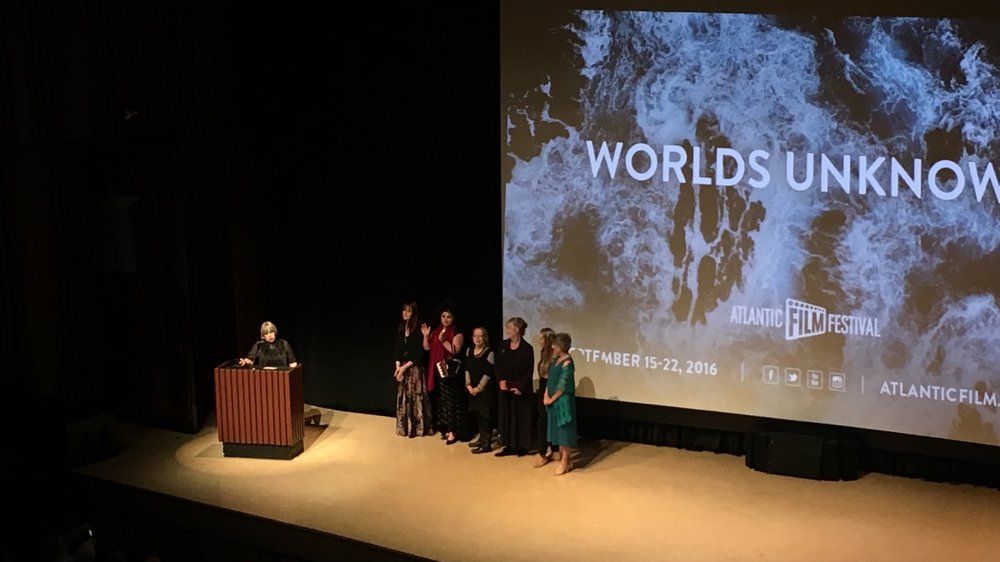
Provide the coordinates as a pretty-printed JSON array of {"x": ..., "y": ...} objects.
[{"x": 482, "y": 381}]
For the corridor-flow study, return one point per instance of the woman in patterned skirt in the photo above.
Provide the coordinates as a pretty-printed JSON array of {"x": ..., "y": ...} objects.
[{"x": 413, "y": 407}]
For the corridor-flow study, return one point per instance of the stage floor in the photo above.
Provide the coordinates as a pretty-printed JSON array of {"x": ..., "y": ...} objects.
[{"x": 357, "y": 479}]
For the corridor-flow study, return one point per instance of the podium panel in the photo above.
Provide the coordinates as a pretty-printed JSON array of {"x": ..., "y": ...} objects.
[{"x": 259, "y": 411}]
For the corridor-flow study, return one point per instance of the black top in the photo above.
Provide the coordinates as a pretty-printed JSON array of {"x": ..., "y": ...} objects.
[
  {"x": 275, "y": 354},
  {"x": 478, "y": 367},
  {"x": 409, "y": 348},
  {"x": 479, "y": 375},
  {"x": 516, "y": 366}
]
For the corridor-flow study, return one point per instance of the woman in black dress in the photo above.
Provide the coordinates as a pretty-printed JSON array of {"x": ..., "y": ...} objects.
[
  {"x": 413, "y": 407},
  {"x": 270, "y": 351},
  {"x": 479, "y": 375},
  {"x": 514, "y": 366}
]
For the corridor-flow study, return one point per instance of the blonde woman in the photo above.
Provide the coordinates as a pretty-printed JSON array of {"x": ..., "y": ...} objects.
[
  {"x": 515, "y": 359},
  {"x": 269, "y": 350},
  {"x": 545, "y": 450}
]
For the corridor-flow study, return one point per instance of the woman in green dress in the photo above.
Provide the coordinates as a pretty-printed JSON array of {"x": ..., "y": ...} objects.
[{"x": 560, "y": 399}]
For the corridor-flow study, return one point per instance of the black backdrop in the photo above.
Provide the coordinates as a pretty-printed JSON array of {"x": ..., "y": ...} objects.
[
  {"x": 174, "y": 173},
  {"x": 385, "y": 192},
  {"x": 179, "y": 172}
]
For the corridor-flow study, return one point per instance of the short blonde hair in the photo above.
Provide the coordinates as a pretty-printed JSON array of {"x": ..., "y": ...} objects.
[
  {"x": 518, "y": 323},
  {"x": 268, "y": 328}
]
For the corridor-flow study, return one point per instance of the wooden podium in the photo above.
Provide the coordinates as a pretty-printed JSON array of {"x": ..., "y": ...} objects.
[{"x": 259, "y": 411}]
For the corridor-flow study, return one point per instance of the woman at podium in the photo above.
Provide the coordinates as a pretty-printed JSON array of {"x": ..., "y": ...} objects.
[{"x": 270, "y": 351}]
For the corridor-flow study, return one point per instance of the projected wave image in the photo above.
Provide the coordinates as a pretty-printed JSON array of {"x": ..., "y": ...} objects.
[{"x": 785, "y": 217}]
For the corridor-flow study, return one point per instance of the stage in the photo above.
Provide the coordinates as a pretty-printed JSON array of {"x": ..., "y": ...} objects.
[{"x": 358, "y": 480}]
